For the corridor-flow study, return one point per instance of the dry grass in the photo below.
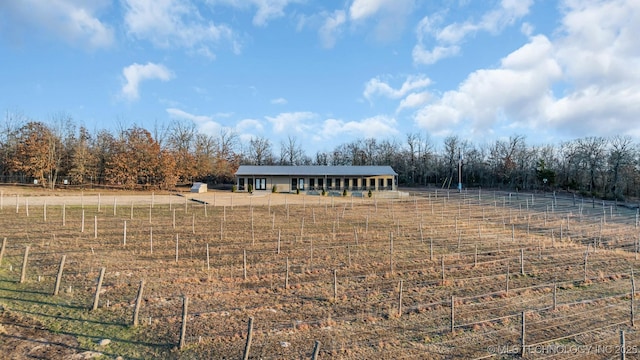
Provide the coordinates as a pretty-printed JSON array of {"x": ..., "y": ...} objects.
[{"x": 371, "y": 243}]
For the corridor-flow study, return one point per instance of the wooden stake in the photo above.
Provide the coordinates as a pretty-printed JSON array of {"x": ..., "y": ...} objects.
[
  {"x": 522, "y": 336},
  {"x": 96, "y": 298},
  {"x": 183, "y": 328},
  {"x": 247, "y": 346},
  {"x": 522, "y": 262},
  {"x": 335, "y": 285},
  {"x": 176, "y": 247},
  {"x": 316, "y": 350},
  {"x": 286, "y": 276},
  {"x": 2, "y": 249},
  {"x": 59, "y": 276},
  {"x": 453, "y": 313},
  {"x": 95, "y": 227},
  {"x": 244, "y": 263},
  {"x": 623, "y": 350},
  {"x": 124, "y": 234},
  {"x": 136, "y": 309},
  {"x": 23, "y": 274},
  {"x": 400, "y": 298},
  {"x": 208, "y": 264}
]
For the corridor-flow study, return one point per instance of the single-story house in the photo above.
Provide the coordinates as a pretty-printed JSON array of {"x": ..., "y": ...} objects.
[{"x": 316, "y": 178}]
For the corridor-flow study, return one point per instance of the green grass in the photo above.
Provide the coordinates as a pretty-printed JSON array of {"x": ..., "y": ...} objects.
[{"x": 69, "y": 314}]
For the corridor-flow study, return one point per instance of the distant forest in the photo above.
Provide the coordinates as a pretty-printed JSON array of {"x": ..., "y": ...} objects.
[{"x": 61, "y": 152}]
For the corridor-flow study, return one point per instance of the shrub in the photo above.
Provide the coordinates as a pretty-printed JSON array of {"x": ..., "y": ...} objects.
[
  {"x": 250, "y": 188},
  {"x": 234, "y": 188},
  {"x": 298, "y": 191},
  {"x": 369, "y": 194},
  {"x": 274, "y": 189},
  {"x": 344, "y": 192},
  {"x": 324, "y": 192}
]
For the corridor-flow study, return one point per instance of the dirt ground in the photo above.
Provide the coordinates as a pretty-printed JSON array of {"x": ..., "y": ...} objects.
[{"x": 12, "y": 196}]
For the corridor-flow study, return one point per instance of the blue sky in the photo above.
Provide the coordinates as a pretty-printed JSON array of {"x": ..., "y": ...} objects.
[{"x": 328, "y": 72}]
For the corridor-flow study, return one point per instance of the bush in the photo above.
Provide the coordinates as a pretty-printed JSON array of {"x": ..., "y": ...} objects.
[
  {"x": 298, "y": 191},
  {"x": 250, "y": 188},
  {"x": 234, "y": 188},
  {"x": 274, "y": 189},
  {"x": 344, "y": 192},
  {"x": 369, "y": 194},
  {"x": 324, "y": 192}
]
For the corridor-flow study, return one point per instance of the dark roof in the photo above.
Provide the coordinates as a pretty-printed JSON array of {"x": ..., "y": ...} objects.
[{"x": 308, "y": 170}]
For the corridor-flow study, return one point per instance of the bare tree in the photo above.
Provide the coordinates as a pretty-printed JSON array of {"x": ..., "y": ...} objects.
[
  {"x": 260, "y": 151},
  {"x": 291, "y": 152},
  {"x": 620, "y": 157}
]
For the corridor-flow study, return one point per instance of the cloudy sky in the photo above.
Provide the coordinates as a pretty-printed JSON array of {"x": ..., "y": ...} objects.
[{"x": 328, "y": 72}]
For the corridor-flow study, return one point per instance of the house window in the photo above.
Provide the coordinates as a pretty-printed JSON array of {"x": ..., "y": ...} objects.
[
  {"x": 338, "y": 184},
  {"x": 241, "y": 184},
  {"x": 250, "y": 183},
  {"x": 312, "y": 183},
  {"x": 380, "y": 184},
  {"x": 321, "y": 183},
  {"x": 390, "y": 184},
  {"x": 329, "y": 183},
  {"x": 261, "y": 184},
  {"x": 294, "y": 184},
  {"x": 301, "y": 184},
  {"x": 372, "y": 183},
  {"x": 346, "y": 183},
  {"x": 355, "y": 183}
]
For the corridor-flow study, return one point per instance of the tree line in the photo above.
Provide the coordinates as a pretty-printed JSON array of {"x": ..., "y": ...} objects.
[{"x": 60, "y": 151}]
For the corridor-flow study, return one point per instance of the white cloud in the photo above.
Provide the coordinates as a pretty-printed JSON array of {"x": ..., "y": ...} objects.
[
  {"x": 175, "y": 23},
  {"x": 518, "y": 89},
  {"x": 292, "y": 122},
  {"x": 390, "y": 16},
  {"x": 378, "y": 87},
  {"x": 76, "y": 22},
  {"x": 249, "y": 125},
  {"x": 266, "y": 10},
  {"x": 584, "y": 81},
  {"x": 380, "y": 126},
  {"x": 414, "y": 100},
  {"x": 279, "y": 101},
  {"x": 136, "y": 73},
  {"x": 205, "y": 124},
  {"x": 331, "y": 28},
  {"x": 449, "y": 38}
]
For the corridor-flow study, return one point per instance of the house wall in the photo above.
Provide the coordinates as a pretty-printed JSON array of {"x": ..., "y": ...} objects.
[{"x": 283, "y": 183}]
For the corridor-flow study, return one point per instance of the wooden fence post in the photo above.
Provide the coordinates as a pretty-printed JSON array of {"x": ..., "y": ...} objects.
[
  {"x": 391, "y": 252},
  {"x": 23, "y": 274},
  {"x": 136, "y": 309},
  {"x": 400, "y": 298},
  {"x": 183, "y": 328},
  {"x": 244, "y": 263},
  {"x": 2, "y": 249},
  {"x": 316, "y": 350},
  {"x": 247, "y": 346},
  {"x": 96, "y": 298},
  {"x": 286, "y": 276},
  {"x": 633, "y": 298},
  {"x": 623, "y": 351},
  {"x": 177, "y": 248},
  {"x": 335, "y": 285},
  {"x": 555, "y": 295},
  {"x": 56, "y": 289},
  {"x": 453, "y": 313},
  {"x": 522, "y": 336},
  {"x": 522, "y": 262}
]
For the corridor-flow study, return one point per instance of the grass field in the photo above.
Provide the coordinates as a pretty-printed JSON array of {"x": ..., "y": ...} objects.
[{"x": 432, "y": 275}]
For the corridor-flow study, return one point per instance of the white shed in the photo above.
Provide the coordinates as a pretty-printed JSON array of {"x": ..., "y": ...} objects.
[{"x": 199, "y": 188}]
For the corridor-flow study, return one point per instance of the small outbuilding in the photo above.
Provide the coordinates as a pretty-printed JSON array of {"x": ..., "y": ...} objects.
[
  {"x": 316, "y": 178},
  {"x": 199, "y": 187}
]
